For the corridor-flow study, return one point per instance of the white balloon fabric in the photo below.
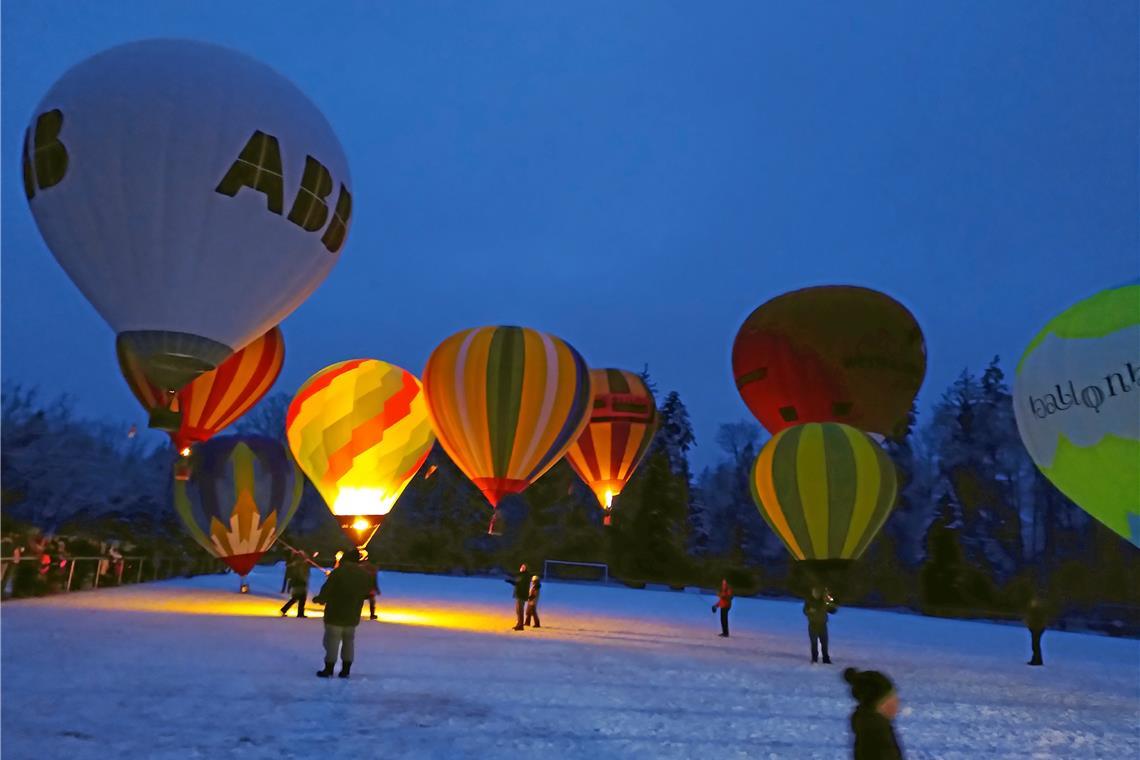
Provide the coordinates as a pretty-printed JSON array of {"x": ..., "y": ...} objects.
[
  {"x": 1076, "y": 398},
  {"x": 195, "y": 196}
]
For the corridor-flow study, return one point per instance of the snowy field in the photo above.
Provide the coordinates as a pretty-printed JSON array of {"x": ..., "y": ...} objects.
[{"x": 190, "y": 669}]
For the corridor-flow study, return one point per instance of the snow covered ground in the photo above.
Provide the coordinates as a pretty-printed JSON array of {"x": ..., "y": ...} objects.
[{"x": 190, "y": 669}]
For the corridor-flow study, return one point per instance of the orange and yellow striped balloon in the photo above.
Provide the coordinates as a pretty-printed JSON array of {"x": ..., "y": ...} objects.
[
  {"x": 825, "y": 489},
  {"x": 506, "y": 403},
  {"x": 214, "y": 399},
  {"x": 359, "y": 430},
  {"x": 621, "y": 428}
]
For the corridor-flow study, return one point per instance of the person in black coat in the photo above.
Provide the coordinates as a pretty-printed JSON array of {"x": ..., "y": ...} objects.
[
  {"x": 1036, "y": 618},
  {"x": 297, "y": 574},
  {"x": 343, "y": 596},
  {"x": 816, "y": 609},
  {"x": 532, "y": 602},
  {"x": 871, "y": 722},
  {"x": 521, "y": 582}
]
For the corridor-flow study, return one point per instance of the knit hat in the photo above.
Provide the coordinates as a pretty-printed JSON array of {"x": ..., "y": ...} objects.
[{"x": 868, "y": 687}]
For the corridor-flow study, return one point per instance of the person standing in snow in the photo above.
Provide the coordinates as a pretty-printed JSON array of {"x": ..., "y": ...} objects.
[
  {"x": 343, "y": 596},
  {"x": 1036, "y": 618},
  {"x": 373, "y": 573},
  {"x": 297, "y": 574},
  {"x": 532, "y": 601},
  {"x": 871, "y": 721},
  {"x": 816, "y": 609},
  {"x": 724, "y": 604},
  {"x": 521, "y": 584}
]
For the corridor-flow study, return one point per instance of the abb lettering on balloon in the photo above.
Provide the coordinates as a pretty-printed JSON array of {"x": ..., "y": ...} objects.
[
  {"x": 1092, "y": 396},
  {"x": 259, "y": 167},
  {"x": 45, "y": 157}
]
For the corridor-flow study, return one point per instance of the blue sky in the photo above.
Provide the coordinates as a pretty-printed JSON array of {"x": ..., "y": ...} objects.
[{"x": 636, "y": 177}]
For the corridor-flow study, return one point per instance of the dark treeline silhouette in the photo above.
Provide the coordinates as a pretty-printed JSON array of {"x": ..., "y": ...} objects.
[{"x": 977, "y": 530}]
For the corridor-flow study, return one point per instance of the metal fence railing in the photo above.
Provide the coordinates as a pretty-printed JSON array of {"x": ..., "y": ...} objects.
[{"x": 32, "y": 576}]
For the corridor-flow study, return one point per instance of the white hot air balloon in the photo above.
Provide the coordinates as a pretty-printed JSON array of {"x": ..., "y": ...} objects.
[{"x": 195, "y": 196}]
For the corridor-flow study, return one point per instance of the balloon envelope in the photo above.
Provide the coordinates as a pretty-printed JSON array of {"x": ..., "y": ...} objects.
[
  {"x": 214, "y": 399},
  {"x": 241, "y": 494},
  {"x": 195, "y": 197},
  {"x": 506, "y": 404},
  {"x": 825, "y": 489},
  {"x": 360, "y": 431},
  {"x": 1076, "y": 397},
  {"x": 835, "y": 353},
  {"x": 621, "y": 427}
]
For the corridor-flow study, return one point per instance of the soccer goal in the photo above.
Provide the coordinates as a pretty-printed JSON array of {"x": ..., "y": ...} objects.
[{"x": 560, "y": 570}]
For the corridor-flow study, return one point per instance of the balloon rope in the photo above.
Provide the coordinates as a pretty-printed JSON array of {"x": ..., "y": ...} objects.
[{"x": 303, "y": 554}]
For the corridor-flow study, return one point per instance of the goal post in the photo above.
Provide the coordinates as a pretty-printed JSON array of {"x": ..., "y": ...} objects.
[{"x": 562, "y": 570}]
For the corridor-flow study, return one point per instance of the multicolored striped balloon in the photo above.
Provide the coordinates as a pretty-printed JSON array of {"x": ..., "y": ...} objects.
[
  {"x": 214, "y": 399},
  {"x": 621, "y": 428},
  {"x": 825, "y": 489},
  {"x": 360, "y": 431},
  {"x": 506, "y": 403},
  {"x": 241, "y": 494}
]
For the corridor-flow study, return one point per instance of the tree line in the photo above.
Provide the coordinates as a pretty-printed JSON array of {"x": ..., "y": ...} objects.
[{"x": 977, "y": 529}]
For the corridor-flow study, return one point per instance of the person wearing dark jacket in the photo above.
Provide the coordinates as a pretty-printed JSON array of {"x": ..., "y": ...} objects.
[
  {"x": 343, "y": 596},
  {"x": 521, "y": 582},
  {"x": 373, "y": 574},
  {"x": 816, "y": 609},
  {"x": 1036, "y": 618},
  {"x": 532, "y": 601},
  {"x": 724, "y": 604},
  {"x": 297, "y": 574},
  {"x": 871, "y": 722}
]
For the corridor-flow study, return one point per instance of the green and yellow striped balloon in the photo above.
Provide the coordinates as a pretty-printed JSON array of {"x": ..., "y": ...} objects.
[{"x": 825, "y": 489}]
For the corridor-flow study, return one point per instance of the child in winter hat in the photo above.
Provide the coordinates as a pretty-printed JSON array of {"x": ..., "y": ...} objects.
[{"x": 871, "y": 722}]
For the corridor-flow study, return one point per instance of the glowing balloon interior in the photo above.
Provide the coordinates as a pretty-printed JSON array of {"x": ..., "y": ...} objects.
[
  {"x": 360, "y": 431},
  {"x": 621, "y": 427}
]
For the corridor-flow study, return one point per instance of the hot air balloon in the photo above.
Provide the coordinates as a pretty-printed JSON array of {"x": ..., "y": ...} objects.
[
  {"x": 192, "y": 194},
  {"x": 360, "y": 431},
  {"x": 830, "y": 354},
  {"x": 242, "y": 492},
  {"x": 1076, "y": 397},
  {"x": 214, "y": 399},
  {"x": 506, "y": 404},
  {"x": 622, "y": 424},
  {"x": 825, "y": 489}
]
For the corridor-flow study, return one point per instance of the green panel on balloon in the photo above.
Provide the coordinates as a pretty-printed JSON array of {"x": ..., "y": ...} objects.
[{"x": 1112, "y": 502}]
